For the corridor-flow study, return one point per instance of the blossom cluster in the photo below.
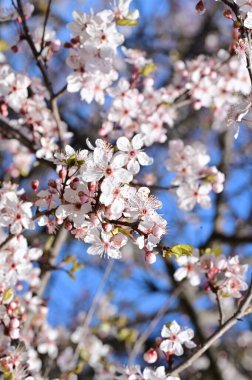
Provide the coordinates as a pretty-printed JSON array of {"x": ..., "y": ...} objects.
[
  {"x": 214, "y": 83},
  {"x": 246, "y": 10},
  {"x": 34, "y": 118},
  {"x": 95, "y": 201},
  {"x": 223, "y": 275},
  {"x": 147, "y": 374},
  {"x": 94, "y": 193},
  {"x": 93, "y": 50},
  {"x": 194, "y": 179},
  {"x": 144, "y": 111}
]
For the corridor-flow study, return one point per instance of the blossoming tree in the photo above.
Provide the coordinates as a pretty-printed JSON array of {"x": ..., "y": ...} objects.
[{"x": 122, "y": 158}]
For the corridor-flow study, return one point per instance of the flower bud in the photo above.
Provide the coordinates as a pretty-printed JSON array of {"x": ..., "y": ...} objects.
[
  {"x": 52, "y": 183},
  {"x": 35, "y": 185},
  {"x": 68, "y": 225},
  {"x": 62, "y": 174},
  {"x": 67, "y": 45},
  {"x": 200, "y": 7},
  {"x": 74, "y": 184},
  {"x": 92, "y": 186},
  {"x": 14, "y": 49},
  {"x": 228, "y": 14},
  {"x": 150, "y": 356},
  {"x": 150, "y": 257}
]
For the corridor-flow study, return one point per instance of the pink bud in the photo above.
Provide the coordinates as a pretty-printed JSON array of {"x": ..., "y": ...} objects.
[
  {"x": 14, "y": 48},
  {"x": 14, "y": 334},
  {"x": 14, "y": 323},
  {"x": 67, "y": 45},
  {"x": 228, "y": 14},
  {"x": 150, "y": 257},
  {"x": 197, "y": 105},
  {"x": 4, "y": 109},
  {"x": 92, "y": 186},
  {"x": 200, "y": 7},
  {"x": 55, "y": 45},
  {"x": 83, "y": 197},
  {"x": 52, "y": 183},
  {"x": 62, "y": 173},
  {"x": 13, "y": 305},
  {"x": 107, "y": 227},
  {"x": 68, "y": 225},
  {"x": 35, "y": 185},
  {"x": 74, "y": 184},
  {"x": 150, "y": 356}
]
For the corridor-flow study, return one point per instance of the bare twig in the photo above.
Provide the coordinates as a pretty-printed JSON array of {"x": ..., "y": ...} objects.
[
  {"x": 45, "y": 23},
  {"x": 92, "y": 309},
  {"x": 7, "y": 130},
  {"x": 42, "y": 67},
  {"x": 220, "y": 309},
  {"x": 146, "y": 333},
  {"x": 241, "y": 311},
  {"x": 52, "y": 255}
]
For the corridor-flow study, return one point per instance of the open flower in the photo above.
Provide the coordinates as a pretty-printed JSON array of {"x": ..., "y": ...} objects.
[
  {"x": 131, "y": 151},
  {"x": 175, "y": 338}
]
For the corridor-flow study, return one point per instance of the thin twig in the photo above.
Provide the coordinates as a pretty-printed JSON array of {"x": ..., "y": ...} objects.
[
  {"x": 146, "y": 333},
  {"x": 44, "y": 26},
  {"x": 92, "y": 309},
  {"x": 220, "y": 308},
  {"x": 39, "y": 61},
  {"x": 241, "y": 311}
]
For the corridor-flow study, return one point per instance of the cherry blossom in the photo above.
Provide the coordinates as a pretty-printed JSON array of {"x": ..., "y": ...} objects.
[
  {"x": 158, "y": 374},
  {"x": 14, "y": 213},
  {"x": 188, "y": 269},
  {"x": 175, "y": 338},
  {"x": 194, "y": 180},
  {"x": 101, "y": 195},
  {"x": 131, "y": 152}
]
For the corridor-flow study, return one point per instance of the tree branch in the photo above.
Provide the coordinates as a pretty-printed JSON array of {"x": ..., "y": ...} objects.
[{"x": 218, "y": 334}]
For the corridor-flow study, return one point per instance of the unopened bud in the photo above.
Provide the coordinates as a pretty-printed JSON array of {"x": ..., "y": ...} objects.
[
  {"x": 236, "y": 25},
  {"x": 52, "y": 183},
  {"x": 62, "y": 174},
  {"x": 228, "y": 14},
  {"x": 83, "y": 197},
  {"x": 68, "y": 45},
  {"x": 150, "y": 257},
  {"x": 14, "y": 48},
  {"x": 91, "y": 186},
  {"x": 200, "y": 7},
  {"x": 68, "y": 225},
  {"x": 35, "y": 185},
  {"x": 4, "y": 109},
  {"x": 74, "y": 184},
  {"x": 150, "y": 356}
]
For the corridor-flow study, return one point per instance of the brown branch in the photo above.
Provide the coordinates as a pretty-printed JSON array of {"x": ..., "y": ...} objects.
[
  {"x": 42, "y": 67},
  {"x": 45, "y": 23},
  {"x": 27, "y": 36},
  {"x": 241, "y": 311},
  {"x": 10, "y": 132},
  {"x": 187, "y": 305},
  {"x": 51, "y": 257},
  {"x": 36, "y": 216}
]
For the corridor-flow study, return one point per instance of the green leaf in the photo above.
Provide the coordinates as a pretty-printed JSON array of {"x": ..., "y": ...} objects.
[
  {"x": 8, "y": 376},
  {"x": 71, "y": 161},
  {"x": 3, "y": 46},
  {"x": 148, "y": 69},
  {"x": 126, "y": 22},
  {"x": 8, "y": 295},
  {"x": 182, "y": 250}
]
